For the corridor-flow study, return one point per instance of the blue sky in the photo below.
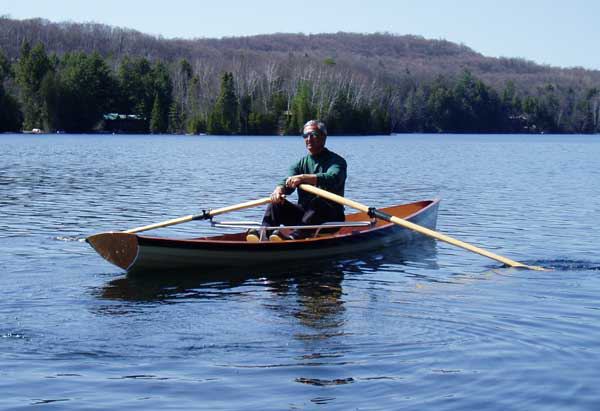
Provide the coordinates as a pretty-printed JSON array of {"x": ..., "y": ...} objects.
[{"x": 556, "y": 33}]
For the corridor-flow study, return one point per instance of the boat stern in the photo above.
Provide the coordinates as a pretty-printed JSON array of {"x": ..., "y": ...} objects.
[{"x": 120, "y": 249}]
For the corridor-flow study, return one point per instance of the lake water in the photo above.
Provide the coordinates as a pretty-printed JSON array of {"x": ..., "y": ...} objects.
[{"x": 429, "y": 327}]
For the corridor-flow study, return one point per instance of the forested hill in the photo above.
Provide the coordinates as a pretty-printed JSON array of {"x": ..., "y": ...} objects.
[
  {"x": 384, "y": 82},
  {"x": 376, "y": 54}
]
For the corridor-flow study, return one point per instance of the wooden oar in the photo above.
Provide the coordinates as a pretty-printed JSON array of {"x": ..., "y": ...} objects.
[
  {"x": 205, "y": 215},
  {"x": 122, "y": 248},
  {"x": 420, "y": 229}
]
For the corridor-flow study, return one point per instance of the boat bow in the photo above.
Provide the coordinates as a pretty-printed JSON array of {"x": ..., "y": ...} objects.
[{"x": 120, "y": 249}]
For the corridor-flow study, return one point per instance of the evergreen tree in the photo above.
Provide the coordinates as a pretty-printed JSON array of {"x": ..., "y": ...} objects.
[
  {"x": 157, "y": 121},
  {"x": 479, "y": 107},
  {"x": 5, "y": 68},
  {"x": 225, "y": 116},
  {"x": 142, "y": 84},
  {"x": 176, "y": 122},
  {"x": 32, "y": 67},
  {"x": 163, "y": 98},
  {"x": 302, "y": 109},
  {"x": 195, "y": 120},
  {"x": 277, "y": 114},
  {"x": 57, "y": 107},
  {"x": 79, "y": 93},
  {"x": 11, "y": 118},
  {"x": 542, "y": 110},
  {"x": 414, "y": 118},
  {"x": 137, "y": 88},
  {"x": 245, "y": 109},
  {"x": 380, "y": 122},
  {"x": 180, "y": 110},
  {"x": 214, "y": 124},
  {"x": 259, "y": 123},
  {"x": 509, "y": 94},
  {"x": 442, "y": 108},
  {"x": 342, "y": 118},
  {"x": 196, "y": 125}
]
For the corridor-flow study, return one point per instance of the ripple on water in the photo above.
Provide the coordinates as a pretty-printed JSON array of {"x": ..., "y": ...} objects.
[
  {"x": 69, "y": 239},
  {"x": 424, "y": 327}
]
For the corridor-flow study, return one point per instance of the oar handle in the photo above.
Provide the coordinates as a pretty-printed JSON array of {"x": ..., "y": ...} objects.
[
  {"x": 415, "y": 227},
  {"x": 204, "y": 215}
]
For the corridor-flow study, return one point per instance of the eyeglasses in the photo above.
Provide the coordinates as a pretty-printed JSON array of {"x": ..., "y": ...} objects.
[{"x": 314, "y": 134}]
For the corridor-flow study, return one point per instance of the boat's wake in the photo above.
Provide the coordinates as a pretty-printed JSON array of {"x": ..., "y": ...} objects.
[
  {"x": 562, "y": 265},
  {"x": 70, "y": 238},
  {"x": 568, "y": 265}
]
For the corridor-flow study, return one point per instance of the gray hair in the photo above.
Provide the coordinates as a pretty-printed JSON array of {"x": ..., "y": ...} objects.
[{"x": 318, "y": 124}]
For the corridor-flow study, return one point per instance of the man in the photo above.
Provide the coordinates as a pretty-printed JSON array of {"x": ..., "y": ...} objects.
[{"x": 322, "y": 168}]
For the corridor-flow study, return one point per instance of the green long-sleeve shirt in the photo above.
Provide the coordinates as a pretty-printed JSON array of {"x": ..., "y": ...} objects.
[{"x": 330, "y": 169}]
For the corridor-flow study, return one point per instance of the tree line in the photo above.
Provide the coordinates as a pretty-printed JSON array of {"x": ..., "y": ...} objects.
[{"x": 72, "y": 92}]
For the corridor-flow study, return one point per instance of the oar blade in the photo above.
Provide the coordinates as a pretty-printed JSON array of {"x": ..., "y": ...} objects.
[{"x": 533, "y": 267}]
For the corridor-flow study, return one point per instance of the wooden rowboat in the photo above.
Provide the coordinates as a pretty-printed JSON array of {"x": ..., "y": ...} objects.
[{"x": 146, "y": 254}]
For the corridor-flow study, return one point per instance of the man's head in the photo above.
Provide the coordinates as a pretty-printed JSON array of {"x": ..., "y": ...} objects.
[{"x": 315, "y": 135}]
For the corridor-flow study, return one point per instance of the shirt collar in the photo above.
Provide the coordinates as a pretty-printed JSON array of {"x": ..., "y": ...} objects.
[{"x": 323, "y": 153}]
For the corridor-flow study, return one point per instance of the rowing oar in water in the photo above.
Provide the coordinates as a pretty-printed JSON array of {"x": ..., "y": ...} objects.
[
  {"x": 415, "y": 227},
  {"x": 120, "y": 248}
]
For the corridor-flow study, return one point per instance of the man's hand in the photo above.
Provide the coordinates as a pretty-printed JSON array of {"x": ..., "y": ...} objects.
[
  {"x": 277, "y": 196},
  {"x": 295, "y": 181}
]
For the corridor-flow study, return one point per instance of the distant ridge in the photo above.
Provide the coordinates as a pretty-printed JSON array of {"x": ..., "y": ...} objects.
[{"x": 375, "y": 55}]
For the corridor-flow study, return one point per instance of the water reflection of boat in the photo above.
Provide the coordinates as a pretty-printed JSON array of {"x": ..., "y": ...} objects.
[
  {"x": 324, "y": 275},
  {"x": 146, "y": 254},
  {"x": 312, "y": 293}
]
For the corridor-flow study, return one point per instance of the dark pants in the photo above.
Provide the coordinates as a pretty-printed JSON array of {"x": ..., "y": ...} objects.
[{"x": 318, "y": 211}]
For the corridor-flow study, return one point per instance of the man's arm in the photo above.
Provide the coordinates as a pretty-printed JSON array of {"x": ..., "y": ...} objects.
[
  {"x": 334, "y": 176},
  {"x": 279, "y": 194},
  {"x": 284, "y": 188}
]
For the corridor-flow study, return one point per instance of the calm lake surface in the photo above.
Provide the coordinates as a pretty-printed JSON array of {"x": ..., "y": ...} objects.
[{"x": 430, "y": 327}]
